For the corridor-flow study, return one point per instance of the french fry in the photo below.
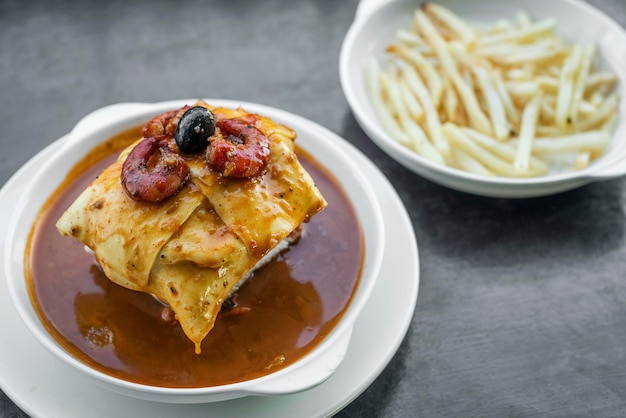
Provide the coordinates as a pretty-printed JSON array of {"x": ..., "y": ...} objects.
[
  {"x": 517, "y": 74},
  {"x": 489, "y": 99},
  {"x": 606, "y": 110},
  {"x": 450, "y": 101},
  {"x": 533, "y": 31},
  {"x": 509, "y": 99},
  {"x": 513, "y": 53},
  {"x": 466, "y": 162},
  {"x": 529, "y": 55},
  {"x": 413, "y": 40},
  {"x": 548, "y": 84},
  {"x": 425, "y": 68},
  {"x": 512, "y": 113},
  {"x": 414, "y": 108},
  {"x": 463, "y": 31},
  {"x": 586, "y": 109},
  {"x": 494, "y": 104},
  {"x": 470, "y": 102},
  {"x": 432, "y": 118},
  {"x": 412, "y": 133},
  {"x": 522, "y": 90},
  {"x": 548, "y": 131},
  {"x": 581, "y": 81},
  {"x": 546, "y": 112},
  {"x": 420, "y": 141},
  {"x": 382, "y": 111},
  {"x": 504, "y": 150},
  {"x": 611, "y": 123},
  {"x": 566, "y": 87},
  {"x": 592, "y": 141},
  {"x": 492, "y": 162},
  {"x": 527, "y": 134},
  {"x": 581, "y": 160},
  {"x": 601, "y": 78}
]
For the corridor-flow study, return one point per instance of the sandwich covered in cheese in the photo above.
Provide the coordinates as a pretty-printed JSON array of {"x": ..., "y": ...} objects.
[{"x": 191, "y": 208}]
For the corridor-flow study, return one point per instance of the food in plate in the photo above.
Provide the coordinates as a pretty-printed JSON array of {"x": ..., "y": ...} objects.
[
  {"x": 511, "y": 99},
  {"x": 282, "y": 314},
  {"x": 190, "y": 209}
]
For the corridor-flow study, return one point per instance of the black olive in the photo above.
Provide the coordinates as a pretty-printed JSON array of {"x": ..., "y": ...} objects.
[{"x": 194, "y": 128}]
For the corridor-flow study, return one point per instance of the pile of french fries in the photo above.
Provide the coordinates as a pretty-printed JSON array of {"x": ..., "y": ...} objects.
[{"x": 513, "y": 99}]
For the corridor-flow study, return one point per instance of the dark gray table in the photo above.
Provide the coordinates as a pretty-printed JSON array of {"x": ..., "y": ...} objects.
[{"x": 522, "y": 306}]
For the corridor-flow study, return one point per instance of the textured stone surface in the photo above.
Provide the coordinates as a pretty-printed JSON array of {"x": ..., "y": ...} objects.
[{"x": 522, "y": 305}]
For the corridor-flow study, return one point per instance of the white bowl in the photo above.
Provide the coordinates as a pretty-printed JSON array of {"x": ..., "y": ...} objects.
[
  {"x": 374, "y": 28},
  {"x": 311, "y": 370}
]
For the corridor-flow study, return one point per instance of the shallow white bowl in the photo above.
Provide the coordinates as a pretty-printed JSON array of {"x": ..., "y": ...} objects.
[
  {"x": 100, "y": 125},
  {"x": 374, "y": 27}
]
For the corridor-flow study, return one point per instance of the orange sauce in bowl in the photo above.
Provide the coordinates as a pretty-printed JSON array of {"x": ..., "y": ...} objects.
[{"x": 291, "y": 304}]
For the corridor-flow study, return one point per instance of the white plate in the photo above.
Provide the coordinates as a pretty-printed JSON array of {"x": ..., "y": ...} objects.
[
  {"x": 44, "y": 386},
  {"x": 374, "y": 28}
]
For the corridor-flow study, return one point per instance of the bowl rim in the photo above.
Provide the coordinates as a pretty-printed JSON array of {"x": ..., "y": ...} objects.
[
  {"x": 97, "y": 124},
  {"x": 369, "y": 14}
]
